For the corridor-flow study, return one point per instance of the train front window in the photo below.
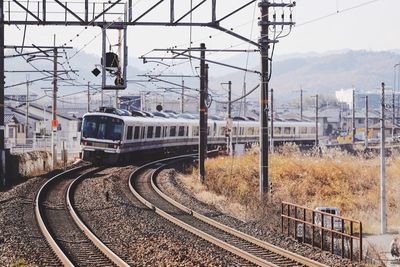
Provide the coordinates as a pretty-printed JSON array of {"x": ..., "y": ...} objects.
[{"x": 102, "y": 127}]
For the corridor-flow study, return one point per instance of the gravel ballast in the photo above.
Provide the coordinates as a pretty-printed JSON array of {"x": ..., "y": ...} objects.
[{"x": 137, "y": 234}]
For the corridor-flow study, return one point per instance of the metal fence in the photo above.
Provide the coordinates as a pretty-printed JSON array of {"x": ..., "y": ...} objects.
[
  {"x": 22, "y": 145},
  {"x": 324, "y": 230}
]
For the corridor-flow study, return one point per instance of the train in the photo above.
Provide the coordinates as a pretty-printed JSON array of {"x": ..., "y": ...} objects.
[{"x": 112, "y": 135}]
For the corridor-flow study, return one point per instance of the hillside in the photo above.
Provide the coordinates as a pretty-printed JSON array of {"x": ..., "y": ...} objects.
[
  {"x": 323, "y": 73},
  {"x": 326, "y": 73}
]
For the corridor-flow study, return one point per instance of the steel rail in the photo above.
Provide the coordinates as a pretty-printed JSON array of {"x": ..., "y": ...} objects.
[
  {"x": 42, "y": 225},
  {"x": 47, "y": 232},
  {"x": 282, "y": 252},
  {"x": 229, "y": 247},
  {"x": 86, "y": 231},
  {"x": 191, "y": 229}
]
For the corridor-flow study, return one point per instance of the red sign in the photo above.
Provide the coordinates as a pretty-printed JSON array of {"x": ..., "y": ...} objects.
[{"x": 54, "y": 124}]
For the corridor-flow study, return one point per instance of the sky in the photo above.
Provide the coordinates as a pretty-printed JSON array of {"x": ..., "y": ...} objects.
[
  {"x": 371, "y": 27},
  {"x": 321, "y": 26}
]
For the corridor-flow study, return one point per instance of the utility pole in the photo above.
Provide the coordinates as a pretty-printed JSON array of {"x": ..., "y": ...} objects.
[
  {"x": 102, "y": 97},
  {"x": 54, "y": 123},
  {"x": 393, "y": 114},
  {"x": 229, "y": 119},
  {"x": 383, "y": 179},
  {"x": 366, "y": 121},
  {"x": 264, "y": 47},
  {"x": 88, "y": 97},
  {"x": 316, "y": 120},
  {"x": 301, "y": 104},
  {"x": 244, "y": 106},
  {"x": 183, "y": 97},
  {"x": 2, "y": 81},
  {"x": 264, "y": 43},
  {"x": 27, "y": 108},
  {"x": 202, "y": 110},
  {"x": 353, "y": 120},
  {"x": 272, "y": 120},
  {"x": 116, "y": 99}
]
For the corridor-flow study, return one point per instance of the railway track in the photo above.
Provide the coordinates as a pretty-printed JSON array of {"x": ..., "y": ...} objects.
[
  {"x": 142, "y": 183},
  {"x": 70, "y": 239}
]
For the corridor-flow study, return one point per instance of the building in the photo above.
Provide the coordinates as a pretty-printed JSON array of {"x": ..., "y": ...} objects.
[
  {"x": 14, "y": 130},
  {"x": 68, "y": 130}
]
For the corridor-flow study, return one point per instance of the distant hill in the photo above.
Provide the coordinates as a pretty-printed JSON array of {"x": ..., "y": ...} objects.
[{"x": 325, "y": 73}]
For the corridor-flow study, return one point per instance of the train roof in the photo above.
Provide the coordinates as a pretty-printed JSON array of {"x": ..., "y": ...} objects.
[{"x": 191, "y": 121}]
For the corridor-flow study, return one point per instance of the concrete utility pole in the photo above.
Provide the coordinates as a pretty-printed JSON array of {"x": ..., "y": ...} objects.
[
  {"x": 383, "y": 178},
  {"x": 316, "y": 120},
  {"x": 183, "y": 97},
  {"x": 301, "y": 104},
  {"x": 366, "y": 121},
  {"x": 264, "y": 43},
  {"x": 272, "y": 120},
  {"x": 54, "y": 123},
  {"x": 264, "y": 47},
  {"x": 398, "y": 87},
  {"x": 230, "y": 117},
  {"x": 393, "y": 113},
  {"x": 229, "y": 120},
  {"x": 203, "y": 111},
  {"x": 102, "y": 97},
  {"x": 27, "y": 108},
  {"x": 2, "y": 81},
  {"x": 353, "y": 120},
  {"x": 244, "y": 105},
  {"x": 88, "y": 97},
  {"x": 116, "y": 99}
]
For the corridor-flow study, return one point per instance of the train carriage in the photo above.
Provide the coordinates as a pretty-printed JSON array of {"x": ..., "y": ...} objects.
[{"x": 111, "y": 135}]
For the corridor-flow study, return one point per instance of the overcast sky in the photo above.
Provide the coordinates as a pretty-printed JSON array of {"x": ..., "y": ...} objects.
[
  {"x": 370, "y": 25},
  {"x": 374, "y": 26}
]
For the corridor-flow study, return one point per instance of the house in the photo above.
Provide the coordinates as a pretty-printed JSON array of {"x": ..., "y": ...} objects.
[
  {"x": 14, "y": 129},
  {"x": 68, "y": 130}
]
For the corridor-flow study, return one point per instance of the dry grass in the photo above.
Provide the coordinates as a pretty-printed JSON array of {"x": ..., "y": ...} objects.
[{"x": 333, "y": 179}]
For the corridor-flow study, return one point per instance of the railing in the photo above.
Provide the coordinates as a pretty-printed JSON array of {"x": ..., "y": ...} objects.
[
  {"x": 22, "y": 145},
  {"x": 323, "y": 230}
]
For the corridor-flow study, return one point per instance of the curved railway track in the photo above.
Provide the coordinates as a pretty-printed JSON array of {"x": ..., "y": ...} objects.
[
  {"x": 142, "y": 183},
  {"x": 67, "y": 235}
]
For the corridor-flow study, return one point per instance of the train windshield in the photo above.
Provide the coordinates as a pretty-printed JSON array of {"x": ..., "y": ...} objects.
[{"x": 102, "y": 127}]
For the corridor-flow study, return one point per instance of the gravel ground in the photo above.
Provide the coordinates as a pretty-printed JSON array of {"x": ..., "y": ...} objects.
[
  {"x": 20, "y": 237},
  {"x": 137, "y": 234},
  {"x": 168, "y": 183}
]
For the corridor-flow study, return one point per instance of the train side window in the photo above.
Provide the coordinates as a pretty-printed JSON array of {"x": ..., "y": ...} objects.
[
  {"x": 142, "y": 132},
  {"x": 303, "y": 130},
  {"x": 172, "y": 131},
  {"x": 222, "y": 131},
  {"x": 277, "y": 130},
  {"x": 181, "y": 131},
  {"x": 234, "y": 131},
  {"x": 158, "y": 132},
  {"x": 196, "y": 131},
  {"x": 150, "y": 132},
  {"x": 286, "y": 130},
  {"x": 129, "y": 133},
  {"x": 241, "y": 131},
  {"x": 137, "y": 132}
]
